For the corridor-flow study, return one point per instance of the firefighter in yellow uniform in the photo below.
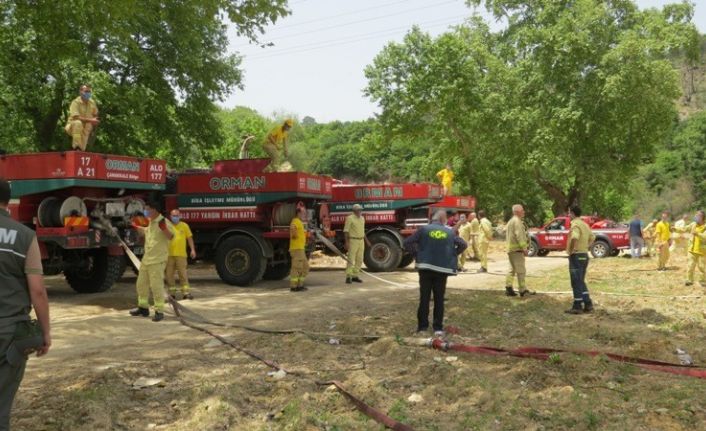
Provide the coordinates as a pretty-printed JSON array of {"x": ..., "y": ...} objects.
[
  {"x": 464, "y": 232},
  {"x": 297, "y": 251},
  {"x": 355, "y": 241},
  {"x": 517, "y": 242},
  {"x": 177, "y": 261},
  {"x": 697, "y": 251},
  {"x": 157, "y": 234},
  {"x": 484, "y": 237},
  {"x": 277, "y": 139},
  {"x": 648, "y": 233},
  {"x": 446, "y": 177},
  {"x": 83, "y": 118},
  {"x": 663, "y": 240},
  {"x": 474, "y": 227}
]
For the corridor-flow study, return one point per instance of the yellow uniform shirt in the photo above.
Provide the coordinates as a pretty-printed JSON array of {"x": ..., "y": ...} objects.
[
  {"x": 277, "y": 136},
  {"x": 464, "y": 232},
  {"x": 474, "y": 226},
  {"x": 516, "y": 234},
  {"x": 486, "y": 230},
  {"x": 446, "y": 176},
  {"x": 297, "y": 227},
  {"x": 697, "y": 244},
  {"x": 80, "y": 109},
  {"x": 177, "y": 247},
  {"x": 156, "y": 243},
  {"x": 582, "y": 234},
  {"x": 662, "y": 232},
  {"x": 355, "y": 226}
]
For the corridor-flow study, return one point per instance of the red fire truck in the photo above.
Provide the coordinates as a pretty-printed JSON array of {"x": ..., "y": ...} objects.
[
  {"x": 240, "y": 215},
  {"x": 80, "y": 204},
  {"x": 392, "y": 212}
]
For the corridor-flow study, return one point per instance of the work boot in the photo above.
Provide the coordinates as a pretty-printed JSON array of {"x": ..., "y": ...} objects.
[
  {"x": 349, "y": 280},
  {"x": 574, "y": 310},
  {"x": 158, "y": 316},
  {"x": 482, "y": 270},
  {"x": 527, "y": 292},
  {"x": 439, "y": 334},
  {"x": 689, "y": 283},
  {"x": 188, "y": 296},
  {"x": 509, "y": 291},
  {"x": 588, "y": 309},
  {"x": 357, "y": 280},
  {"x": 139, "y": 311}
]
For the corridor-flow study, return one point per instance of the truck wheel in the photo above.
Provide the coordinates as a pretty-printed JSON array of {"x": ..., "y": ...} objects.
[
  {"x": 239, "y": 261},
  {"x": 533, "y": 248},
  {"x": 383, "y": 255},
  {"x": 543, "y": 252},
  {"x": 615, "y": 252},
  {"x": 99, "y": 274},
  {"x": 279, "y": 271},
  {"x": 600, "y": 249},
  {"x": 407, "y": 259}
]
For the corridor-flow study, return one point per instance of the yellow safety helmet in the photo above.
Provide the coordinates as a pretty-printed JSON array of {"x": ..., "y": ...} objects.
[{"x": 289, "y": 122}]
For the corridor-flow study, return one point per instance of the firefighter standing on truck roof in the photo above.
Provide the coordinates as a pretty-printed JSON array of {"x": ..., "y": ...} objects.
[
  {"x": 277, "y": 138},
  {"x": 517, "y": 242},
  {"x": 446, "y": 177},
  {"x": 697, "y": 251},
  {"x": 177, "y": 261},
  {"x": 157, "y": 234},
  {"x": 354, "y": 232},
  {"x": 663, "y": 240},
  {"x": 21, "y": 288},
  {"x": 297, "y": 251},
  {"x": 83, "y": 118}
]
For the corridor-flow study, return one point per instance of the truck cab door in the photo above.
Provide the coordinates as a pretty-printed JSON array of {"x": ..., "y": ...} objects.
[{"x": 556, "y": 233}]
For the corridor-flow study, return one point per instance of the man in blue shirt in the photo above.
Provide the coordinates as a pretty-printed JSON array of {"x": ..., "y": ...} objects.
[
  {"x": 436, "y": 248},
  {"x": 636, "y": 239}
]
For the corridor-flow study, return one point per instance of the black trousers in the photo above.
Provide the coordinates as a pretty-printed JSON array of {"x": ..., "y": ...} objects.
[{"x": 431, "y": 282}]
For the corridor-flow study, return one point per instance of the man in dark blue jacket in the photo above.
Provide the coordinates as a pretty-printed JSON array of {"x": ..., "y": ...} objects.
[{"x": 436, "y": 248}]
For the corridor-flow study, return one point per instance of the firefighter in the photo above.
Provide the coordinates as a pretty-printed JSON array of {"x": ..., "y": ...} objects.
[
  {"x": 663, "y": 240},
  {"x": 577, "y": 248},
  {"x": 484, "y": 238},
  {"x": 648, "y": 233},
  {"x": 682, "y": 233},
  {"x": 697, "y": 251},
  {"x": 297, "y": 246},
  {"x": 446, "y": 177},
  {"x": 474, "y": 227},
  {"x": 157, "y": 234},
  {"x": 462, "y": 229},
  {"x": 517, "y": 242},
  {"x": 277, "y": 139},
  {"x": 21, "y": 289},
  {"x": 177, "y": 261},
  {"x": 83, "y": 118},
  {"x": 355, "y": 241}
]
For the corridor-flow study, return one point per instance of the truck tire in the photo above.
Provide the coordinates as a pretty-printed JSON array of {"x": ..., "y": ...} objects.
[
  {"x": 101, "y": 273},
  {"x": 600, "y": 249},
  {"x": 407, "y": 259},
  {"x": 276, "y": 272},
  {"x": 533, "y": 248},
  {"x": 239, "y": 261},
  {"x": 384, "y": 253},
  {"x": 542, "y": 252}
]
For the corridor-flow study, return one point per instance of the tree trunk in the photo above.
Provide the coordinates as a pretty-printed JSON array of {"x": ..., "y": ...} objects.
[{"x": 45, "y": 123}]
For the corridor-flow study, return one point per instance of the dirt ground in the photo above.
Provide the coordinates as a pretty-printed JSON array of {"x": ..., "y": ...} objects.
[{"x": 100, "y": 354}]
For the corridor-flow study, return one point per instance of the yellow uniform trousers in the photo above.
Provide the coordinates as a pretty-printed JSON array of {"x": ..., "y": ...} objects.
[
  {"x": 79, "y": 132},
  {"x": 517, "y": 268},
  {"x": 151, "y": 279},
  {"x": 694, "y": 261},
  {"x": 300, "y": 268},
  {"x": 355, "y": 257},
  {"x": 275, "y": 160},
  {"x": 177, "y": 264},
  {"x": 483, "y": 253},
  {"x": 663, "y": 250}
]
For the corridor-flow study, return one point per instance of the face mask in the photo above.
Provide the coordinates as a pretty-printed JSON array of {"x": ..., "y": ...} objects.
[
  {"x": 175, "y": 219},
  {"x": 86, "y": 95},
  {"x": 146, "y": 213}
]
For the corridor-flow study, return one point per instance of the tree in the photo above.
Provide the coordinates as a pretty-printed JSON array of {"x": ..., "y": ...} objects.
[
  {"x": 156, "y": 68},
  {"x": 238, "y": 125}
]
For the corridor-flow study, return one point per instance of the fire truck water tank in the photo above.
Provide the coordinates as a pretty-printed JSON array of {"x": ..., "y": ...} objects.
[{"x": 283, "y": 214}]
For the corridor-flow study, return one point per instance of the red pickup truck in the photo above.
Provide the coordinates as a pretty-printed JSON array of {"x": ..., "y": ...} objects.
[{"x": 611, "y": 237}]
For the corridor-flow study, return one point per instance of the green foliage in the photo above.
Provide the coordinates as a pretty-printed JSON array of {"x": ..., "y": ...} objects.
[
  {"x": 237, "y": 125},
  {"x": 155, "y": 66}
]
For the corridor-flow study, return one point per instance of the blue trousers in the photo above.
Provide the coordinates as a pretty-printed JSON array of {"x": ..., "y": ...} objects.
[{"x": 578, "y": 263}]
